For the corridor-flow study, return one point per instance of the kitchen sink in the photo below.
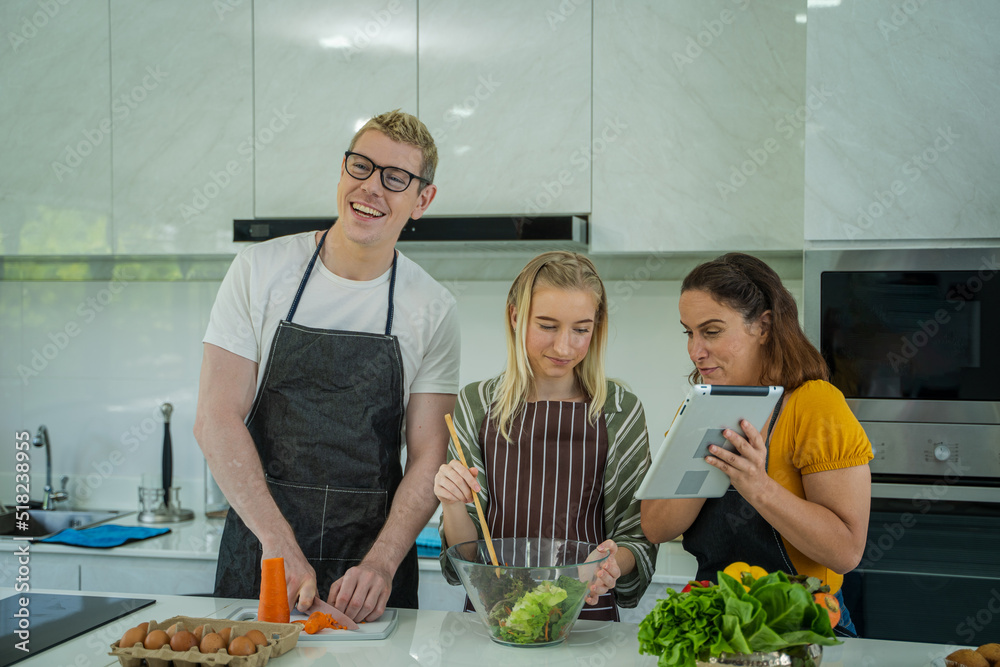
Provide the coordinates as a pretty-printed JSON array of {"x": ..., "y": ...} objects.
[{"x": 43, "y": 523}]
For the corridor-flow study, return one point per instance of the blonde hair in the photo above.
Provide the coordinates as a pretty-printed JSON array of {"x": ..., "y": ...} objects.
[
  {"x": 559, "y": 270},
  {"x": 403, "y": 128}
]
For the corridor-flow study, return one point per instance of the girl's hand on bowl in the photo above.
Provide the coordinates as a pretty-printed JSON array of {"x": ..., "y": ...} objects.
[
  {"x": 607, "y": 574},
  {"x": 454, "y": 483}
]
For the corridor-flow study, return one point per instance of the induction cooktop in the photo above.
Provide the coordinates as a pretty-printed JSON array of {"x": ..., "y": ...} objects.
[{"x": 54, "y": 619}]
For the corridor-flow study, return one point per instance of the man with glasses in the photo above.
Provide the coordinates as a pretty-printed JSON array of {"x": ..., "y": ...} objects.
[{"x": 321, "y": 350}]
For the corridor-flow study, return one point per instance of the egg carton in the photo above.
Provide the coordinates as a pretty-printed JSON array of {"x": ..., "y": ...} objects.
[{"x": 282, "y": 637}]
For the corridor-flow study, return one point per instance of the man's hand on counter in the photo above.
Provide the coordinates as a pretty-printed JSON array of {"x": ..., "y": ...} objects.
[{"x": 362, "y": 592}]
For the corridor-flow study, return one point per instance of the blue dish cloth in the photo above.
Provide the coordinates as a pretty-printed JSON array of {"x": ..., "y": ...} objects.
[
  {"x": 428, "y": 543},
  {"x": 105, "y": 536}
]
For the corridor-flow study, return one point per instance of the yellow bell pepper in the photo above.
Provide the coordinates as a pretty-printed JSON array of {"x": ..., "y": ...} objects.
[{"x": 738, "y": 569}]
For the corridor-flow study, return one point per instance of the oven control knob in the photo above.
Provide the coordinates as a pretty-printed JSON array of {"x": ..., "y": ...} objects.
[{"x": 942, "y": 453}]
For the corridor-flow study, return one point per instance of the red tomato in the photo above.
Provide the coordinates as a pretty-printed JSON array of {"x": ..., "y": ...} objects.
[{"x": 696, "y": 584}]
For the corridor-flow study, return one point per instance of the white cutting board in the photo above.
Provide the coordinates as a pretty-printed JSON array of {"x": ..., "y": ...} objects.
[{"x": 379, "y": 629}]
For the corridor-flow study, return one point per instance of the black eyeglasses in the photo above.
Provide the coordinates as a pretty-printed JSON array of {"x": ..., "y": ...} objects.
[{"x": 393, "y": 178}]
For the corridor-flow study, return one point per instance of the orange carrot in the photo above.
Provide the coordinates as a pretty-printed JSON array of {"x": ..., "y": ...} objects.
[
  {"x": 273, "y": 606},
  {"x": 318, "y": 620}
]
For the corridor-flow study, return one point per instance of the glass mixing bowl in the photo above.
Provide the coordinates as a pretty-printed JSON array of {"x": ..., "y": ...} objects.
[{"x": 540, "y": 589}]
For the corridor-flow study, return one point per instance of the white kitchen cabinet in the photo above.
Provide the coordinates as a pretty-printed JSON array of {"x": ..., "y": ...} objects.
[
  {"x": 55, "y": 176},
  {"x": 182, "y": 111},
  {"x": 698, "y": 126},
  {"x": 505, "y": 90},
  {"x": 113, "y": 574},
  {"x": 161, "y": 576},
  {"x": 43, "y": 571},
  {"x": 908, "y": 146},
  {"x": 321, "y": 69}
]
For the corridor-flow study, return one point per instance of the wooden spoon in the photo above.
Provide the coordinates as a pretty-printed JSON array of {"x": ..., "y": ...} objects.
[{"x": 475, "y": 496}]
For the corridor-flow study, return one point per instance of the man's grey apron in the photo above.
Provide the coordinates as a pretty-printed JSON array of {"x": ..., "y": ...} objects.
[
  {"x": 327, "y": 426},
  {"x": 729, "y": 530}
]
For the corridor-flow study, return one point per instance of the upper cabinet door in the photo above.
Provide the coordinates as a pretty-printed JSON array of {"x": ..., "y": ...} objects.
[
  {"x": 908, "y": 146},
  {"x": 505, "y": 91},
  {"x": 55, "y": 176},
  {"x": 699, "y": 110},
  {"x": 181, "y": 110},
  {"x": 322, "y": 68}
]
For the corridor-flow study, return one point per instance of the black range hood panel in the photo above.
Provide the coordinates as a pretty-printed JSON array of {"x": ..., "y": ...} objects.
[{"x": 565, "y": 232}]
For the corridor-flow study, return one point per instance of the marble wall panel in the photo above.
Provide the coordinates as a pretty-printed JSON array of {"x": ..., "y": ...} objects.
[
  {"x": 55, "y": 175},
  {"x": 321, "y": 69},
  {"x": 505, "y": 90},
  {"x": 182, "y": 109},
  {"x": 907, "y": 146},
  {"x": 698, "y": 140}
]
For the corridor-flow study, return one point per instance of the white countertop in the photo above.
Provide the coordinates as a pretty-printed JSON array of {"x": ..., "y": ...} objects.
[{"x": 451, "y": 638}]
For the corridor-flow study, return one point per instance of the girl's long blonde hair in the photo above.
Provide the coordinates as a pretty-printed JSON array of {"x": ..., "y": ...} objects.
[{"x": 559, "y": 270}]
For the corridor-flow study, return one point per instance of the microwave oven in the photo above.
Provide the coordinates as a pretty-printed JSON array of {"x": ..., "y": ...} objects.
[{"x": 912, "y": 339}]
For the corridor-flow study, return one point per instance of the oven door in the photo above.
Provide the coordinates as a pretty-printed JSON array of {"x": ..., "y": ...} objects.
[{"x": 930, "y": 573}]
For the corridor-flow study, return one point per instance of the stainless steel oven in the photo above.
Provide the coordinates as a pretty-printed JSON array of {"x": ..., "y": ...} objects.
[{"x": 912, "y": 338}]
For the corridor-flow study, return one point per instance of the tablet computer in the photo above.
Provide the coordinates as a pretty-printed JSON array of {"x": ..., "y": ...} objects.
[{"x": 679, "y": 469}]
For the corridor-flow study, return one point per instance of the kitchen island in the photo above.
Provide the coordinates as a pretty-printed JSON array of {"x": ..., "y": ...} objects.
[{"x": 446, "y": 638}]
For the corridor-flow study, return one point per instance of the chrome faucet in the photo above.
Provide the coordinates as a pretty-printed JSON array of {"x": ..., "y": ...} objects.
[{"x": 52, "y": 496}]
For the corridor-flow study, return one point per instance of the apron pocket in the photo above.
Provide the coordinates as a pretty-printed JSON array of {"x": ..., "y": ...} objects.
[{"x": 331, "y": 522}]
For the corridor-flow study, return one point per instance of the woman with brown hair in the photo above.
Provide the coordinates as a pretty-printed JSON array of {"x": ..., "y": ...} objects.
[{"x": 800, "y": 489}]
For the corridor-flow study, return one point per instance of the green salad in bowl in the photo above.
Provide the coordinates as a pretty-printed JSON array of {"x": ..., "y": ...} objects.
[{"x": 535, "y": 595}]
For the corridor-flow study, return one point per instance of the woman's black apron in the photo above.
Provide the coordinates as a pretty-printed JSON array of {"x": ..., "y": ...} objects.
[
  {"x": 327, "y": 425},
  {"x": 729, "y": 530}
]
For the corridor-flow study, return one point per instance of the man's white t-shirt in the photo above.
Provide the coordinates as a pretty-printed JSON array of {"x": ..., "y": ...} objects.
[{"x": 260, "y": 286}]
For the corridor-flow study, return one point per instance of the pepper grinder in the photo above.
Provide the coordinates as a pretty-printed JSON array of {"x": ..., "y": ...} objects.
[
  {"x": 168, "y": 456},
  {"x": 163, "y": 505}
]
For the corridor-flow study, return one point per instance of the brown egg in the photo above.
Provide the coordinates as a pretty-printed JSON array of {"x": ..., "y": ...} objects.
[
  {"x": 156, "y": 639},
  {"x": 198, "y": 632},
  {"x": 183, "y": 641},
  {"x": 968, "y": 658},
  {"x": 991, "y": 652},
  {"x": 257, "y": 637},
  {"x": 172, "y": 630},
  {"x": 132, "y": 637},
  {"x": 225, "y": 633},
  {"x": 211, "y": 643},
  {"x": 144, "y": 627},
  {"x": 241, "y": 646}
]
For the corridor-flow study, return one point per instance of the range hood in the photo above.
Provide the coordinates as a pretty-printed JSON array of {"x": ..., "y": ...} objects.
[{"x": 466, "y": 233}]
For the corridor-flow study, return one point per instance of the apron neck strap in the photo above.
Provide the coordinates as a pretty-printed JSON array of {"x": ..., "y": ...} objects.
[
  {"x": 308, "y": 271},
  {"x": 392, "y": 290},
  {"x": 770, "y": 428},
  {"x": 305, "y": 277}
]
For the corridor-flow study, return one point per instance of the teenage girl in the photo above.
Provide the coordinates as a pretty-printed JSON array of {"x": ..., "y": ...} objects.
[{"x": 556, "y": 449}]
